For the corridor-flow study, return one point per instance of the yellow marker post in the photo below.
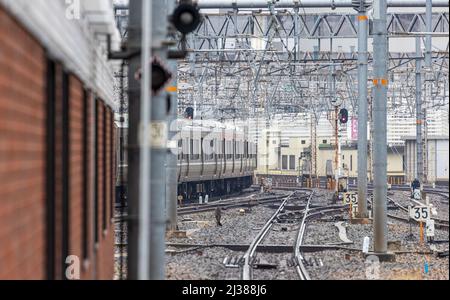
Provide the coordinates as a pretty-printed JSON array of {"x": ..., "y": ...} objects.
[
  {"x": 351, "y": 209},
  {"x": 421, "y": 232}
]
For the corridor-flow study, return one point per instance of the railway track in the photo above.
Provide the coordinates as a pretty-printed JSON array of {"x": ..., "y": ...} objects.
[
  {"x": 308, "y": 213},
  {"x": 439, "y": 223},
  {"x": 247, "y": 273},
  {"x": 298, "y": 258},
  {"x": 248, "y": 201}
]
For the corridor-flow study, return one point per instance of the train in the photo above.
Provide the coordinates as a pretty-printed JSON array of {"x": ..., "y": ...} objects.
[{"x": 214, "y": 159}]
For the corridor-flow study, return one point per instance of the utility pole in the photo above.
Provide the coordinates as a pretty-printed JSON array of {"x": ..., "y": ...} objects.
[
  {"x": 380, "y": 81},
  {"x": 419, "y": 117},
  {"x": 362, "y": 108},
  {"x": 139, "y": 31},
  {"x": 428, "y": 84},
  {"x": 313, "y": 171},
  {"x": 336, "y": 156},
  {"x": 172, "y": 151},
  {"x": 159, "y": 133}
]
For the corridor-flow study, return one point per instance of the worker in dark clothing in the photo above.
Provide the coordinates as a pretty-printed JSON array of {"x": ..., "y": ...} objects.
[
  {"x": 415, "y": 185},
  {"x": 218, "y": 216}
]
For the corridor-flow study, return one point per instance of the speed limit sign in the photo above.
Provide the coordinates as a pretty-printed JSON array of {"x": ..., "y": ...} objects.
[
  {"x": 419, "y": 213},
  {"x": 351, "y": 197}
]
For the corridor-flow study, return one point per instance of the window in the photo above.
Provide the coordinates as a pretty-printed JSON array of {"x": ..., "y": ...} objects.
[
  {"x": 212, "y": 149},
  {"x": 229, "y": 149},
  {"x": 351, "y": 162},
  {"x": 284, "y": 162},
  {"x": 292, "y": 162},
  {"x": 324, "y": 142},
  {"x": 195, "y": 149},
  {"x": 200, "y": 150},
  {"x": 303, "y": 142}
]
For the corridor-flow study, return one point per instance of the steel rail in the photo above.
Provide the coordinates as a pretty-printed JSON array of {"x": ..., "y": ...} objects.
[
  {"x": 298, "y": 258},
  {"x": 236, "y": 202},
  {"x": 247, "y": 273}
]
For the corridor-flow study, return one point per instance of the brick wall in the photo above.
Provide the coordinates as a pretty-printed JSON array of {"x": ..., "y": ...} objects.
[
  {"x": 22, "y": 153},
  {"x": 23, "y": 164}
]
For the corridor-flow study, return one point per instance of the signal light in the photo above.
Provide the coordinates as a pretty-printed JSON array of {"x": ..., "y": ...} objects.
[
  {"x": 189, "y": 113},
  {"x": 343, "y": 116},
  {"x": 186, "y": 17},
  {"x": 160, "y": 76}
]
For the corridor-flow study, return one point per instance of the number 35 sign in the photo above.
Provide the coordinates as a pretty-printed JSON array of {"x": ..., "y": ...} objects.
[
  {"x": 419, "y": 213},
  {"x": 351, "y": 197}
]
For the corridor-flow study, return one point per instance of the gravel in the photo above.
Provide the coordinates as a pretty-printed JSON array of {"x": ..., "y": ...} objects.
[{"x": 240, "y": 228}]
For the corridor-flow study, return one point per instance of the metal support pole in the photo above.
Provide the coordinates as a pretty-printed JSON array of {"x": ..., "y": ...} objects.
[
  {"x": 380, "y": 54},
  {"x": 428, "y": 85},
  {"x": 138, "y": 149},
  {"x": 171, "y": 175},
  {"x": 159, "y": 132},
  {"x": 362, "y": 110},
  {"x": 429, "y": 29},
  {"x": 419, "y": 119},
  {"x": 336, "y": 154}
]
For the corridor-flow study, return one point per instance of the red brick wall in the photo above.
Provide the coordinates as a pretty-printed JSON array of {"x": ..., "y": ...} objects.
[
  {"x": 105, "y": 247},
  {"x": 23, "y": 102},
  {"x": 22, "y": 153}
]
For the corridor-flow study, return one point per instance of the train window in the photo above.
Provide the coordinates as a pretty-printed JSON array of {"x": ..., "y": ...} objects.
[
  {"x": 195, "y": 150},
  {"x": 201, "y": 150},
  {"x": 230, "y": 150},
  {"x": 191, "y": 152},
  {"x": 351, "y": 162},
  {"x": 212, "y": 150},
  {"x": 180, "y": 143}
]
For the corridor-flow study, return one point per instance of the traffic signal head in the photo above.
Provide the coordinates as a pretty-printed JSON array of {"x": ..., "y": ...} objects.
[
  {"x": 343, "y": 116},
  {"x": 186, "y": 17}
]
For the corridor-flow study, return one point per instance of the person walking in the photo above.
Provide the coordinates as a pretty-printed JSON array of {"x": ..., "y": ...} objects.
[{"x": 218, "y": 216}]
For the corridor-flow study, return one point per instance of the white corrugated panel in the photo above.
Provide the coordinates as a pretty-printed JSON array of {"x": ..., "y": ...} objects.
[
  {"x": 442, "y": 159},
  {"x": 71, "y": 42}
]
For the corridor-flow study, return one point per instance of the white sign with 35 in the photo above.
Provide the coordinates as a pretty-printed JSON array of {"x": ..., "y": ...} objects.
[
  {"x": 419, "y": 213},
  {"x": 350, "y": 197}
]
